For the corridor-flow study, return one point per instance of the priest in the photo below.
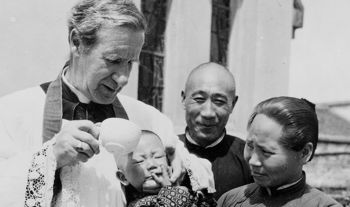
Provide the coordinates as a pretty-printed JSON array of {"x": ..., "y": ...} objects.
[{"x": 49, "y": 152}]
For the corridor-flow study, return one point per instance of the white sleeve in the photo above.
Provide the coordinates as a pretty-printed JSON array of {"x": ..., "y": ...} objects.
[
  {"x": 25, "y": 174},
  {"x": 13, "y": 178},
  {"x": 7, "y": 146},
  {"x": 13, "y": 171},
  {"x": 27, "y": 178}
]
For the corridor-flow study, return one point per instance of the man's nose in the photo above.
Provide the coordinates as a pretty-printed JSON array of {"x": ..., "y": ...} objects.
[
  {"x": 121, "y": 76},
  {"x": 208, "y": 110}
]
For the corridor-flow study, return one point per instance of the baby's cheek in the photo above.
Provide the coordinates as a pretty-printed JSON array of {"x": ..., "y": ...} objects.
[{"x": 137, "y": 173}]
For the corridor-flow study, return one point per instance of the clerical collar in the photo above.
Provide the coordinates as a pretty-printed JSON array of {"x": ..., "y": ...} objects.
[
  {"x": 82, "y": 98},
  {"x": 192, "y": 141}
]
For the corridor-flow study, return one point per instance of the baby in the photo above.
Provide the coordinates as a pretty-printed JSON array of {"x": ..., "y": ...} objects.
[{"x": 145, "y": 176}]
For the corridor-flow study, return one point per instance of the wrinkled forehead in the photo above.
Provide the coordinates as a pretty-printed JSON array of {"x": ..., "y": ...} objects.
[
  {"x": 122, "y": 40},
  {"x": 124, "y": 33}
]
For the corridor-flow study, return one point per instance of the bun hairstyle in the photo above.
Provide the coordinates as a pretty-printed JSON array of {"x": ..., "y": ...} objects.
[{"x": 296, "y": 116}]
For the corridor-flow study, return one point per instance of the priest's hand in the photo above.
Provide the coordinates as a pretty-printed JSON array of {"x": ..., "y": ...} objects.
[{"x": 77, "y": 141}]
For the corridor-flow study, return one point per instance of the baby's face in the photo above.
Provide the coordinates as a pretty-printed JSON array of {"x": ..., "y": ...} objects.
[{"x": 147, "y": 161}]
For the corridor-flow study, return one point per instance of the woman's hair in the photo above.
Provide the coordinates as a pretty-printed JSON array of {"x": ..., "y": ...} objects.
[
  {"x": 87, "y": 17},
  {"x": 296, "y": 116}
]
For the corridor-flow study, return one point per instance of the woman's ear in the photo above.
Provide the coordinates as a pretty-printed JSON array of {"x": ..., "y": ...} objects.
[
  {"x": 306, "y": 152},
  {"x": 121, "y": 177}
]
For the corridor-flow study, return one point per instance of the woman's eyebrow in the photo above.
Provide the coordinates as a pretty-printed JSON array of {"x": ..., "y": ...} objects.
[{"x": 266, "y": 147}]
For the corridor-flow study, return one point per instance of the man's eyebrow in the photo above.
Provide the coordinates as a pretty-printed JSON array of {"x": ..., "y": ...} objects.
[
  {"x": 116, "y": 56},
  {"x": 219, "y": 95},
  {"x": 112, "y": 51},
  {"x": 198, "y": 92}
]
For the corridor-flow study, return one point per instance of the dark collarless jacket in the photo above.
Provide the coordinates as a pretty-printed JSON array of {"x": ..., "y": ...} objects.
[{"x": 298, "y": 195}]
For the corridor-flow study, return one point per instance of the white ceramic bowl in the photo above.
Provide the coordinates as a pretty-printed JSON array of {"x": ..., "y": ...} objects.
[{"x": 119, "y": 136}]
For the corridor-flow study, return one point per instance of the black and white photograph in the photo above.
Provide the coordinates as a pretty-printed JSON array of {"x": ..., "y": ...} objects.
[{"x": 175, "y": 103}]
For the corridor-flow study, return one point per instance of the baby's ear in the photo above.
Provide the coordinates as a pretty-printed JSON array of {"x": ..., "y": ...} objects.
[{"x": 121, "y": 177}]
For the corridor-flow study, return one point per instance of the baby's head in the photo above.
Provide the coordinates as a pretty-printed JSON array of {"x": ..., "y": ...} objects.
[{"x": 145, "y": 168}]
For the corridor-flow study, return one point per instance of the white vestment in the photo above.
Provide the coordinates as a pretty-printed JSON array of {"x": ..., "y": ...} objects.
[{"x": 94, "y": 183}]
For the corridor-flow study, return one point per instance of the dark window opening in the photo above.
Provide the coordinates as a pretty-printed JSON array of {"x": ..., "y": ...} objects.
[
  {"x": 220, "y": 31},
  {"x": 151, "y": 85}
]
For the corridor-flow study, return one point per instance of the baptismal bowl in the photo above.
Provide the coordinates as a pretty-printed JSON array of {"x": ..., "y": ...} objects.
[{"x": 119, "y": 136}]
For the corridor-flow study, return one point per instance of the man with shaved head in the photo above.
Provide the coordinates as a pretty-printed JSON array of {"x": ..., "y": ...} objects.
[{"x": 209, "y": 98}]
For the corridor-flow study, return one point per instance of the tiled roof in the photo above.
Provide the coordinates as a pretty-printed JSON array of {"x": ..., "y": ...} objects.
[
  {"x": 333, "y": 119},
  {"x": 330, "y": 168}
]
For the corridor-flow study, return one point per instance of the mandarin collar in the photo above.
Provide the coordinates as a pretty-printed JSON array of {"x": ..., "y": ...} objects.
[
  {"x": 288, "y": 189},
  {"x": 192, "y": 141}
]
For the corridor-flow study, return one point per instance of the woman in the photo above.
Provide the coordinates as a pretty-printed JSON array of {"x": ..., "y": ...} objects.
[{"x": 282, "y": 137}]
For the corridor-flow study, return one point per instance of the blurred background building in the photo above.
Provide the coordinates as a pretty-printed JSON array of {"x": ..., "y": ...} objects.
[{"x": 258, "y": 40}]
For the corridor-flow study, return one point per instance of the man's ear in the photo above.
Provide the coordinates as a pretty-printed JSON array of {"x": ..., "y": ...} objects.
[
  {"x": 306, "y": 152},
  {"x": 74, "y": 42},
  {"x": 121, "y": 177},
  {"x": 234, "y": 101},
  {"x": 183, "y": 97}
]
